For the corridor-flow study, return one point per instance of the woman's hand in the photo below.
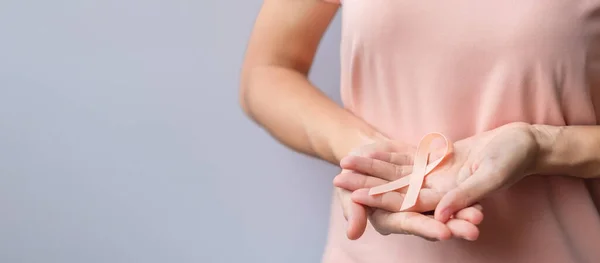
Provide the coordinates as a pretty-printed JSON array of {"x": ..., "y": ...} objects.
[
  {"x": 384, "y": 220},
  {"x": 478, "y": 166},
  {"x": 487, "y": 162}
]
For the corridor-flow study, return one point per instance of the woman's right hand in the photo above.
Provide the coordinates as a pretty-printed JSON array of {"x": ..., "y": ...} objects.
[{"x": 463, "y": 225}]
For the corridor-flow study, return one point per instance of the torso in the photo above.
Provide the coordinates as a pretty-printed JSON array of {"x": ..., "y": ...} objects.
[{"x": 466, "y": 66}]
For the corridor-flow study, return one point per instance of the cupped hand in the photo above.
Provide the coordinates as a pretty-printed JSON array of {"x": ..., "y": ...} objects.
[
  {"x": 478, "y": 166},
  {"x": 485, "y": 163},
  {"x": 383, "y": 212}
]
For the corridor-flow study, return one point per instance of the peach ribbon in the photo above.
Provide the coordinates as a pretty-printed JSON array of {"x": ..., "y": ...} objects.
[{"x": 415, "y": 180}]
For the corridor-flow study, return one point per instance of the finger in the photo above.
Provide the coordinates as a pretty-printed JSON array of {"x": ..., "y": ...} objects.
[
  {"x": 392, "y": 201},
  {"x": 357, "y": 221},
  {"x": 353, "y": 181},
  {"x": 466, "y": 193},
  {"x": 342, "y": 195},
  {"x": 374, "y": 167},
  {"x": 463, "y": 229},
  {"x": 473, "y": 214},
  {"x": 355, "y": 215},
  {"x": 398, "y": 158},
  {"x": 428, "y": 199},
  {"x": 409, "y": 223}
]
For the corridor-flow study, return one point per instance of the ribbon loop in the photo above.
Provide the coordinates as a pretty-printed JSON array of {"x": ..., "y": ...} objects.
[{"x": 421, "y": 168}]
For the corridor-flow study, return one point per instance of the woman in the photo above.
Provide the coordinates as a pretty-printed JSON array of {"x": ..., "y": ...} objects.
[{"x": 514, "y": 84}]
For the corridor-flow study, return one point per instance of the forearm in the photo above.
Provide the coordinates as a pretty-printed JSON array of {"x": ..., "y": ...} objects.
[
  {"x": 568, "y": 150},
  {"x": 300, "y": 116}
]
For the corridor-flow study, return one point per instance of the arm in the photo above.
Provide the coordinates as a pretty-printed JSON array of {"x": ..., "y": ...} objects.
[
  {"x": 568, "y": 150},
  {"x": 275, "y": 91}
]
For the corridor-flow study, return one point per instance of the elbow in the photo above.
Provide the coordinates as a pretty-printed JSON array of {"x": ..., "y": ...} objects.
[
  {"x": 242, "y": 99},
  {"x": 243, "y": 94}
]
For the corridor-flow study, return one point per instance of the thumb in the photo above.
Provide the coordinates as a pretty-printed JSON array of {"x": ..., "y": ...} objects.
[
  {"x": 467, "y": 193},
  {"x": 355, "y": 214},
  {"x": 357, "y": 221}
]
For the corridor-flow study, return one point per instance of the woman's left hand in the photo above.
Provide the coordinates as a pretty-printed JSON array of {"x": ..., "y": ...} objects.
[{"x": 478, "y": 166}]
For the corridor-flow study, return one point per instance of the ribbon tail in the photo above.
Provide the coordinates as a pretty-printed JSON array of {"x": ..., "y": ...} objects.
[{"x": 416, "y": 180}]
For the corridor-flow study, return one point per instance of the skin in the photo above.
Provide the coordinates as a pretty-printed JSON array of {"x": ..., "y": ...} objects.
[
  {"x": 275, "y": 93},
  {"x": 479, "y": 166},
  {"x": 462, "y": 225}
]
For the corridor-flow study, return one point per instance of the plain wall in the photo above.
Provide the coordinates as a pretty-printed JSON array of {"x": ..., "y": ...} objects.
[{"x": 121, "y": 138}]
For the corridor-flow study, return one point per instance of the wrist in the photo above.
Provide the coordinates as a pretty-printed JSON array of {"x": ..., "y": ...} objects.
[
  {"x": 567, "y": 150},
  {"x": 347, "y": 140},
  {"x": 546, "y": 138},
  {"x": 349, "y": 134}
]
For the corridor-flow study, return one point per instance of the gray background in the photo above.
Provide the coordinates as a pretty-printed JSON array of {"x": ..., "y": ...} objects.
[{"x": 121, "y": 139}]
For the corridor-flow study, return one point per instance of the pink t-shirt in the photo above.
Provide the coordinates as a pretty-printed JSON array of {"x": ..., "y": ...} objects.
[{"x": 461, "y": 67}]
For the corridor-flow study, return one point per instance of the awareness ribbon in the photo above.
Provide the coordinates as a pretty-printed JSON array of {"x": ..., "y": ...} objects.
[{"x": 421, "y": 168}]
